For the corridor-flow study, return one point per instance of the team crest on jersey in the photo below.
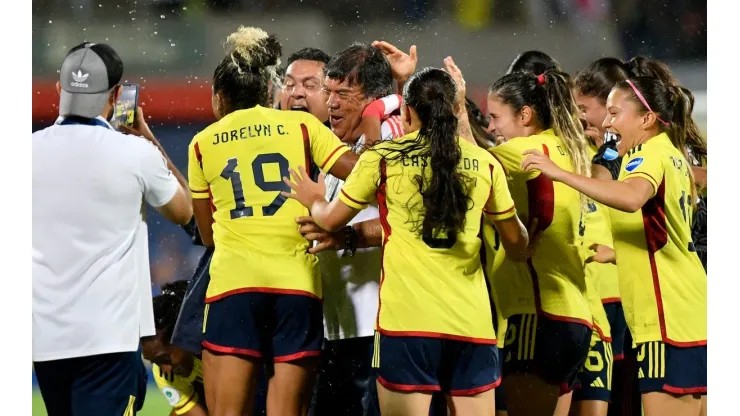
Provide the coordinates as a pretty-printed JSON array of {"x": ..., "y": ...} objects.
[
  {"x": 172, "y": 395},
  {"x": 610, "y": 154},
  {"x": 633, "y": 164}
]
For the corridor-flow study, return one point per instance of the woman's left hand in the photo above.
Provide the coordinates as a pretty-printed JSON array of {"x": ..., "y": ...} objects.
[
  {"x": 536, "y": 160},
  {"x": 306, "y": 190}
]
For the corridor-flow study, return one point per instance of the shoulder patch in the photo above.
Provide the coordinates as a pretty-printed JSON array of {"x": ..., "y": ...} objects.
[
  {"x": 172, "y": 395},
  {"x": 633, "y": 164}
]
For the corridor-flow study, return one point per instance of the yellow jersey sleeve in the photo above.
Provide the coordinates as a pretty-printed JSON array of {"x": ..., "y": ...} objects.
[
  {"x": 500, "y": 205},
  {"x": 639, "y": 163},
  {"x": 196, "y": 179},
  {"x": 510, "y": 156},
  {"x": 178, "y": 390},
  {"x": 361, "y": 185},
  {"x": 326, "y": 148}
]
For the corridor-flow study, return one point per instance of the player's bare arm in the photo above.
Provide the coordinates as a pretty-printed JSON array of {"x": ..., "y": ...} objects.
[
  {"x": 204, "y": 220},
  {"x": 514, "y": 237},
  {"x": 628, "y": 196},
  {"x": 330, "y": 216},
  {"x": 344, "y": 165},
  {"x": 368, "y": 233},
  {"x": 463, "y": 123}
]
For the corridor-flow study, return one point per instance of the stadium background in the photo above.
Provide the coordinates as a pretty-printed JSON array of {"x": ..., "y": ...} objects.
[{"x": 170, "y": 47}]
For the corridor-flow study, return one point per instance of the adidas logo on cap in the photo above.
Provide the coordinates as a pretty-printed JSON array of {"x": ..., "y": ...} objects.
[{"x": 79, "y": 79}]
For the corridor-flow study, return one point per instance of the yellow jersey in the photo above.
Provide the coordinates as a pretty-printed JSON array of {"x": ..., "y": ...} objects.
[
  {"x": 552, "y": 282},
  {"x": 662, "y": 281},
  {"x": 595, "y": 230},
  {"x": 239, "y": 162},
  {"x": 491, "y": 245},
  {"x": 429, "y": 287},
  {"x": 182, "y": 393}
]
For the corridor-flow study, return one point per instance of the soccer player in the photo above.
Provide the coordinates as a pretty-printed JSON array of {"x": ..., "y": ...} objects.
[
  {"x": 177, "y": 372},
  {"x": 89, "y": 265},
  {"x": 264, "y": 298},
  {"x": 665, "y": 299},
  {"x": 593, "y": 85},
  {"x": 434, "y": 329},
  {"x": 549, "y": 318}
]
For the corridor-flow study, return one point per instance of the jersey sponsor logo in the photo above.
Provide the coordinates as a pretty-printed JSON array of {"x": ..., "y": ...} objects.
[
  {"x": 598, "y": 383},
  {"x": 633, "y": 164},
  {"x": 172, "y": 395}
]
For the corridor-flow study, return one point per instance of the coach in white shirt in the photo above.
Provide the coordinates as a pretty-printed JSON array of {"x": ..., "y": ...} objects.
[{"x": 89, "y": 256}]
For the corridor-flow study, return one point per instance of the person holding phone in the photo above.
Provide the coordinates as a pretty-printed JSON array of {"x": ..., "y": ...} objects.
[{"x": 90, "y": 274}]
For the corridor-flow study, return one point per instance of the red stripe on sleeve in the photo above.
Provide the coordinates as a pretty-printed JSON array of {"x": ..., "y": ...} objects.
[
  {"x": 330, "y": 156},
  {"x": 383, "y": 210},
  {"x": 306, "y": 147},
  {"x": 352, "y": 199},
  {"x": 198, "y": 155}
]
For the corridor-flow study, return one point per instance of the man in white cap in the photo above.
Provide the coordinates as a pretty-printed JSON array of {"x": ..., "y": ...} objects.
[{"x": 90, "y": 270}]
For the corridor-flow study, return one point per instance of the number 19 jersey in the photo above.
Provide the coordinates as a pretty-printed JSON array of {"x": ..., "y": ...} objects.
[{"x": 238, "y": 163}]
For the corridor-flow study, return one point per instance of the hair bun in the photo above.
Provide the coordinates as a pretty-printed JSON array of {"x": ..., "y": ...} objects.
[{"x": 253, "y": 47}]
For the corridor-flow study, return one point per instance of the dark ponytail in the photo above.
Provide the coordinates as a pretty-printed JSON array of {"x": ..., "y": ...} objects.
[
  {"x": 533, "y": 61},
  {"x": 444, "y": 191},
  {"x": 598, "y": 79},
  {"x": 641, "y": 66}
]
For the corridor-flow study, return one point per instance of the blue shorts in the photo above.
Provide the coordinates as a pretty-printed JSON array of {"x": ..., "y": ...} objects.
[
  {"x": 553, "y": 350},
  {"x": 105, "y": 384},
  {"x": 264, "y": 325},
  {"x": 595, "y": 378},
  {"x": 420, "y": 364},
  {"x": 676, "y": 370},
  {"x": 618, "y": 324}
]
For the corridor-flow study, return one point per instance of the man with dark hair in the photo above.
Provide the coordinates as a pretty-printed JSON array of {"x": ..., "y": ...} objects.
[
  {"x": 309, "y": 54},
  {"x": 355, "y": 78},
  {"x": 303, "y": 81}
]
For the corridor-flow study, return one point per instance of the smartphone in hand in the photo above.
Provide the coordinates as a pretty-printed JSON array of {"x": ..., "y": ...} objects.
[{"x": 124, "y": 110}]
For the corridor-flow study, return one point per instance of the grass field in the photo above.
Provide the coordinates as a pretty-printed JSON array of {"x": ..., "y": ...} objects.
[{"x": 154, "y": 405}]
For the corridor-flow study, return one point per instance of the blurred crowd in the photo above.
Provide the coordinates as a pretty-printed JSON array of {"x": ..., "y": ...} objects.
[{"x": 664, "y": 29}]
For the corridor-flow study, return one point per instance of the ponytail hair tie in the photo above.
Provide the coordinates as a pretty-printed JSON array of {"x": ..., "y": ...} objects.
[{"x": 541, "y": 79}]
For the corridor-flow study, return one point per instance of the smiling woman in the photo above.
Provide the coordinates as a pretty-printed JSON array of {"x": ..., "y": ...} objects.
[{"x": 665, "y": 296}]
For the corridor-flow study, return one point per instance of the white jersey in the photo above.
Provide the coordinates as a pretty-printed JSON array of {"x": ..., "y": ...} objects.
[
  {"x": 90, "y": 265},
  {"x": 350, "y": 284}
]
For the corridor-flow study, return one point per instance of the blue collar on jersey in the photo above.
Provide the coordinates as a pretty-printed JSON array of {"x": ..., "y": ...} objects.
[{"x": 97, "y": 121}]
